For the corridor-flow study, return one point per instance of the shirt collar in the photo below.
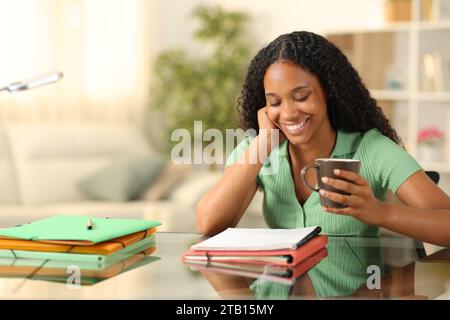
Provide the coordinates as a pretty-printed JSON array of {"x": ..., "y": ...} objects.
[{"x": 346, "y": 143}]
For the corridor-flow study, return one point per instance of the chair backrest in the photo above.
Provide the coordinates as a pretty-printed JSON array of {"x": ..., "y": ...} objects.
[{"x": 433, "y": 175}]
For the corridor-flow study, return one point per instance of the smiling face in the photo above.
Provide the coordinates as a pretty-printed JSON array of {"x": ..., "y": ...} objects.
[{"x": 295, "y": 101}]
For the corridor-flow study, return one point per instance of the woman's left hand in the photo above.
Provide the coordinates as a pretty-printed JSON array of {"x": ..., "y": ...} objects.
[{"x": 361, "y": 203}]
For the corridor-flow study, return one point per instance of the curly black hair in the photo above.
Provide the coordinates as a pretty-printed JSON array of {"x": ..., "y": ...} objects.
[{"x": 349, "y": 104}]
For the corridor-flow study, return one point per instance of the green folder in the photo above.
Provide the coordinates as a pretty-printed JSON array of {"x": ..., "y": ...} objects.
[
  {"x": 85, "y": 265},
  {"x": 79, "y": 258},
  {"x": 74, "y": 229}
]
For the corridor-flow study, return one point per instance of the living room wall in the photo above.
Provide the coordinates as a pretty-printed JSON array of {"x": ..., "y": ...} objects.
[{"x": 270, "y": 18}]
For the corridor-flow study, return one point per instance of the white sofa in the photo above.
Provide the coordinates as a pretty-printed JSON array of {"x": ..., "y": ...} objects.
[{"x": 41, "y": 165}]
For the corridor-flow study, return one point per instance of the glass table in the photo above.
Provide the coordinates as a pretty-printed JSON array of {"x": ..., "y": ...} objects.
[{"x": 353, "y": 267}]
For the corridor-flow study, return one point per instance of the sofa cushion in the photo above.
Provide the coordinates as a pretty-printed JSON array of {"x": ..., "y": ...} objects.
[
  {"x": 123, "y": 179},
  {"x": 190, "y": 191},
  {"x": 50, "y": 159},
  {"x": 31, "y": 141},
  {"x": 172, "y": 176}
]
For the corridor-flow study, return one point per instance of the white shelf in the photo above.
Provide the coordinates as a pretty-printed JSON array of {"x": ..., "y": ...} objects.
[
  {"x": 434, "y": 96},
  {"x": 390, "y": 94},
  {"x": 388, "y": 27},
  {"x": 441, "y": 167},
  {"x": 400, "y": 95},
  {"x": 434, "y": 25},
  {"x": 396, "y": 27},
  {"x": 411, "y": 39}
]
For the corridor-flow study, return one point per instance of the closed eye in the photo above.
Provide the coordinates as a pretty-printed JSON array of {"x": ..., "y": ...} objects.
[
  {"x": 275, "y": 104},
  {"x": 297, "y": 99},
  {"x": 302, "y": 99}
]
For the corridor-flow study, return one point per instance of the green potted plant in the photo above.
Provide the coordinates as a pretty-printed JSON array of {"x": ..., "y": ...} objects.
[{"x": 205, "y": 87}]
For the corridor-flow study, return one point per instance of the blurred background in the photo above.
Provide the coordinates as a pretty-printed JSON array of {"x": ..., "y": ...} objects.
[{"x": 98, "y": 142}]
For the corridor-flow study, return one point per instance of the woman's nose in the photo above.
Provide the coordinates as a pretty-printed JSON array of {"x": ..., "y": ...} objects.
[{"x": 289, "y": 112}]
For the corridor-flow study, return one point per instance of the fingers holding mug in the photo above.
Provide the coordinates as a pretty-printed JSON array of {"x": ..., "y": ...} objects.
[
  {"x": 334, "y": 192},
  {"x": 342, "y": 185}
]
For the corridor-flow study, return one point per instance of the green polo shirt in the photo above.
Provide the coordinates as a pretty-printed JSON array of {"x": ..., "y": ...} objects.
[{"x": 384, "y": 164}]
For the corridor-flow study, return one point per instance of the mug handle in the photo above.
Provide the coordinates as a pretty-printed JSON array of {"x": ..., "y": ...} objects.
[{"x": 303, "y": 172}]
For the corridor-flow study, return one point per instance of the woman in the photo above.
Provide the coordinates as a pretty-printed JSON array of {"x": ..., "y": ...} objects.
[{"x": 304, "y": 86}]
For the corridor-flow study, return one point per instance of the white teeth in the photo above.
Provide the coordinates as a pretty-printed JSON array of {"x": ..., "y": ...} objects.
[{"x": 297, "y": 125}]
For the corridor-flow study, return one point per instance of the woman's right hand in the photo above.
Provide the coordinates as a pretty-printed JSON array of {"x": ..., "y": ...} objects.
[{"x": 265, "y": 123}]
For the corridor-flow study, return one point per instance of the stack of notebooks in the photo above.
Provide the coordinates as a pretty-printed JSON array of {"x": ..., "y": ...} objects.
[
  {"x": 280, "y": 255},
  {"x": 100, "y": 247}
]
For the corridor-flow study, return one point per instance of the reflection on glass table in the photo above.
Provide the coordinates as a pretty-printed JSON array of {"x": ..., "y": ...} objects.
[
  {"x": 347, "y": 271},
  {"x": 267, "y": 271},
  {"x": 85, "y": 271},
  {"x": 355, "y": 268}
]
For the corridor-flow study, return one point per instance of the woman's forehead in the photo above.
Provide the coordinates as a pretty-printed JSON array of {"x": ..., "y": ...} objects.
[{"x": 287, "y": 74}]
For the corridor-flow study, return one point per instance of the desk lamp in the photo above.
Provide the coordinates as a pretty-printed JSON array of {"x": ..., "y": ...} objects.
[{"x": 39, "y": 81}]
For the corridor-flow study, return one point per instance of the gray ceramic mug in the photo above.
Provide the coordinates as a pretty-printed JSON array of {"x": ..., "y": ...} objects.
[{"x": 324, "y": 168}]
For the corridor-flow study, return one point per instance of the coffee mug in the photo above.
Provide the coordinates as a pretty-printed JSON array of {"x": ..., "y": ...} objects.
[{"x": 325, "y": 168}]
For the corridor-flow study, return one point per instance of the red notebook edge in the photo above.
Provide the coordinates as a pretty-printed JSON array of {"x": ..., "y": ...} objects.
[
  {"x": 308, "y": 249},
  {"x": 308, "y": 263},
  {"x": 297, "y": 271},
  {"x": 297, "y": 255}
]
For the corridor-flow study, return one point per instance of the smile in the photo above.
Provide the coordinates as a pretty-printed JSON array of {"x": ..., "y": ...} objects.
[{"x": 298, "y": 127}]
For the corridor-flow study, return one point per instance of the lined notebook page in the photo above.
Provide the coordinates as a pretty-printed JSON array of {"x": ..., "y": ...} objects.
[{"x": 239, "y": 239}]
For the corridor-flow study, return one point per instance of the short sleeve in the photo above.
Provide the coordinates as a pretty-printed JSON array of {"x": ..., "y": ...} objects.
[
  {"x": 390, "y": 164},
  {"x": 237, "y": 153}
]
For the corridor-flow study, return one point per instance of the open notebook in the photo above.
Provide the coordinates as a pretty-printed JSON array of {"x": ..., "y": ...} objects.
[
  {"x": 240, "y": 239},
  {"x": 282, "y": 257},
  {"x": 271, "y": 272},
  {"x": 284, "y": 247}
]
